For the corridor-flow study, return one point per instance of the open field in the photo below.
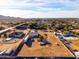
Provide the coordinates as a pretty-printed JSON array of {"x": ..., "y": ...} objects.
[
  {"x": 47, "y": 50},
  {"x": 74, "y": 44}
]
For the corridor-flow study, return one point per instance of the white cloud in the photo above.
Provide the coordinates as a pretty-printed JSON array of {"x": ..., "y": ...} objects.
[
  {"x": 6, "y": 8},
  {"x": 15, "y": 12},
  {"x": 35, "y": 14}
]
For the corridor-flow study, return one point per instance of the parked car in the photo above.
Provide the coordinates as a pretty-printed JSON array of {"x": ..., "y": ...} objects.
[
  {"x": 8, "y": 39},
  {"x": 68, "y": 44},
  {"x": 60, "y": 37},
  {"x": 43, "y": 42}
]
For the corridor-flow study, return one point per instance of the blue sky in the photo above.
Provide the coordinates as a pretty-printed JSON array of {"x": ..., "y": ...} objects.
[{"x": 40, "y": 8}]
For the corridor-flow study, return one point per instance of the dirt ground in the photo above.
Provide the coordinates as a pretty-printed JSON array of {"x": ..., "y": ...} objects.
[
  {"x": 53, "y": 50},
  {"x": 13, "y": 44},
  {"x": 74, "y": 44}
]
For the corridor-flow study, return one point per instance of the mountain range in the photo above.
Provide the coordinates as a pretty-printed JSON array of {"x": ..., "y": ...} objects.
[{"x": 9, "y": 18}]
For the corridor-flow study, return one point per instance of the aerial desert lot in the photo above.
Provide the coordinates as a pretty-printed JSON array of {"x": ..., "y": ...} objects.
[{"x": 53, "y": 50}]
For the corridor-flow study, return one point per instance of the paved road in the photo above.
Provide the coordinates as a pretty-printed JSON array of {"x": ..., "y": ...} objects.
[{"x": 2, "y": 31}]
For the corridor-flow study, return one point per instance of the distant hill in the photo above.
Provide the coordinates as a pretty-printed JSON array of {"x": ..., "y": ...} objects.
[
  {"x": 18, "y": 18},
  {"x": 9, "y": 18}
]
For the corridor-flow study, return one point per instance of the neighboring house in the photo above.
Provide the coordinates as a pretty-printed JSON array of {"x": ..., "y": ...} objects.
[
  {"x": 33, "y": 33},
  {"x": 17, "y": 35}
]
